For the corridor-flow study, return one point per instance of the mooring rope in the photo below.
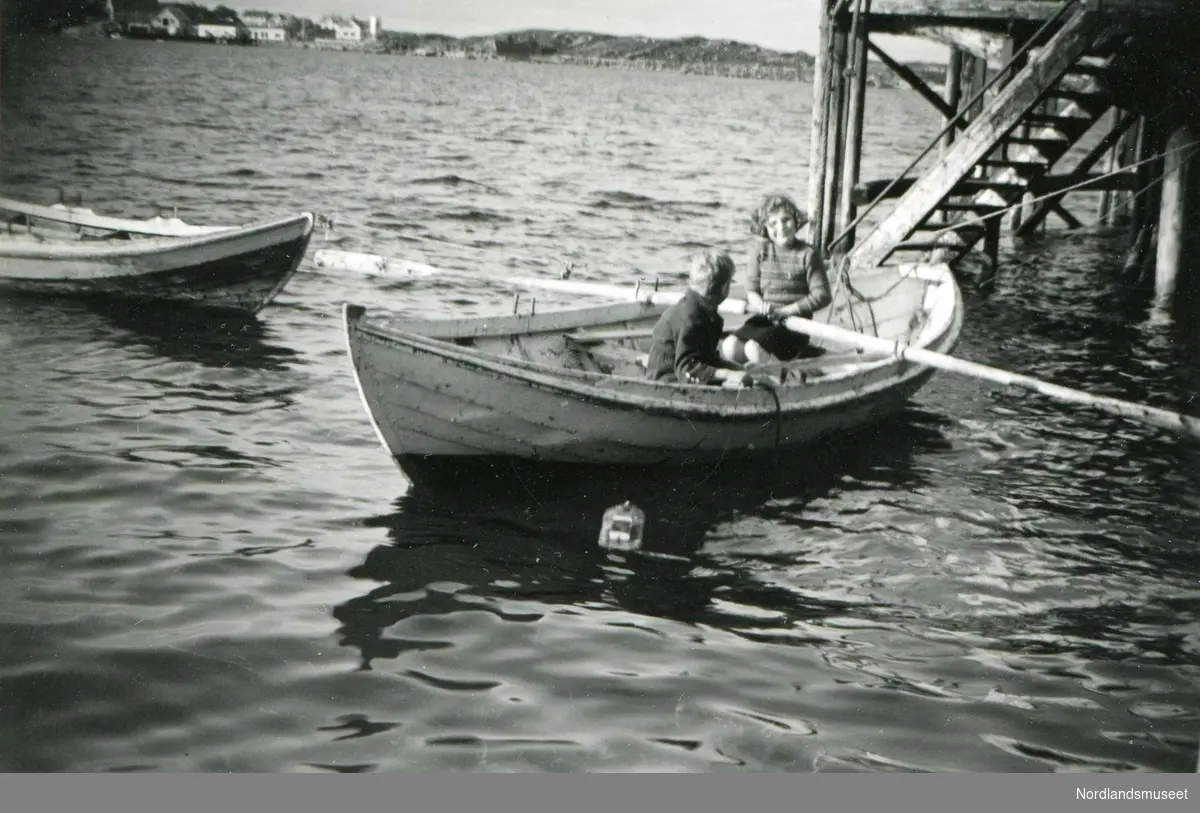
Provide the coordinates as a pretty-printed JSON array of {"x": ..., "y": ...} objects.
[{"x": 1062, "y": 192}]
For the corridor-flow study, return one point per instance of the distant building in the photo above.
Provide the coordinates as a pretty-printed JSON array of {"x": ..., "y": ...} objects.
[
  {"x": 217, "y": 31},
  {"x": 343, "y": 28},
  {"x": 262, "y": 19},
  {"x": 172, "y": 22},
  {"x": 266, "y": 33},
  {"x": 220, "y": 26}
]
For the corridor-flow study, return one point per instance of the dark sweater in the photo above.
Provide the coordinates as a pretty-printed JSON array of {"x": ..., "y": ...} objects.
[{"x": 685, "y": 342}]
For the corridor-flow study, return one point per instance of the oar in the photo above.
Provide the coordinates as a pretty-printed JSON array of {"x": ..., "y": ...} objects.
[
  {"x": 407, "y": 269},
  {"x": 1164, "y": 419}
]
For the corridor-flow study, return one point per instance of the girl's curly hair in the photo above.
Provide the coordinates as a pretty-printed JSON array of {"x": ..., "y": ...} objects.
[{"x": 776, "y": 203}]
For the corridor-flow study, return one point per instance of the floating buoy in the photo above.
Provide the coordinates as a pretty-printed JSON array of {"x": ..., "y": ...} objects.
[{"x": 622, "y": 527}]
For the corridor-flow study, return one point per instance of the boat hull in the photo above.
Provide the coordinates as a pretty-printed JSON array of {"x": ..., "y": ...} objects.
[
  {"x": 236, "y": 269},
  {"x": 440, "y": 407}
]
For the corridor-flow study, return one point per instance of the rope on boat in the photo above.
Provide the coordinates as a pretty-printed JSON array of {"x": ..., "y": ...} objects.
[
  {"x": 769, "y": 385},
  {"x": 842, "y": 282}
]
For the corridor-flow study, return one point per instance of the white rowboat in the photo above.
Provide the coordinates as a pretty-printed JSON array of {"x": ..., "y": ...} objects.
[
  {"x": 236, "y": 268},
  {"x": 447, "y": 397}
]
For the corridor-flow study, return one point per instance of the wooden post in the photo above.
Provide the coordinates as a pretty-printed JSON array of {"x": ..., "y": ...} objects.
[
  {"x": 1143, "y": 173},
  {"x": 837, "y": 124},
  {"x": 953, "y": 92},
  {"x": 822, "y": 80},
  {"x": 979, "y": 80},
  {"x": 1105, "y": 214},
  {"x": 1173, "y": 216},
  {"x": 1121, "y": 199},
  {"x": 954, "y": 71},
  {"x": 1138, "y": 249},
  {"x": 968, "y": 86},
  {"x": 855, "y": 114}
]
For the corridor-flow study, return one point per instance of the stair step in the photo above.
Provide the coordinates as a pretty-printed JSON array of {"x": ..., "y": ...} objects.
[
  {"x": 1060, "y": 122},
  {"x": 969, "y": 207},
  {"x": 1083, "y": 98},
  {"x": 969, "y": 232},
  {"x": 1030, "y": 167},
  {"x": 920, "y": 245},
  {"x": 1106, "y": 45},
  {"x": 1089, "y": 69},
  {"x": 1039, "y": 143},
  {"x": 969, "y": 186}
]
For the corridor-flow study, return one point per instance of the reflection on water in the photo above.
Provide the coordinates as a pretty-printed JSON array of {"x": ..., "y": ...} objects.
[
  {"x": 184, "y": 335},
  {"x": 541, "y": 544},
  {"x": 881, "y": 596}
]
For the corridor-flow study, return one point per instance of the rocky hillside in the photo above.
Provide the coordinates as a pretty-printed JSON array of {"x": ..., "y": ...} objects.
[
  {"x": 688, "y": 54},
  {"x": 715, "y": 57}
]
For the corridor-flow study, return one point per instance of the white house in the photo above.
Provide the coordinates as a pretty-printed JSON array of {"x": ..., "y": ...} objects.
[
  {"x": 171, "y": 20},
  {"x": 267, "y": 33},
  {"x": 343, "y": 29},
  {"x": 217, "y": 31}
]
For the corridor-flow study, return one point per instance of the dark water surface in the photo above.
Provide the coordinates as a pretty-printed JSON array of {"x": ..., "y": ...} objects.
[{"x": 208, "y": 562}]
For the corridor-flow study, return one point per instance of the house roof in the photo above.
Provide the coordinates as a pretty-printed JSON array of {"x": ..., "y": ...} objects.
[
  {"x": 176, "y": 12},
  {"x": 343, "y": 22}
]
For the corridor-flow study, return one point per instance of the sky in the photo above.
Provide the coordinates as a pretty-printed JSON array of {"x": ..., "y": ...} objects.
[{"x": 784, "y": 25}]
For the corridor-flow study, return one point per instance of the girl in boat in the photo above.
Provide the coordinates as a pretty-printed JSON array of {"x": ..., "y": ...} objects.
[
  {"x": 786, "y": 277},
  {"x": 687, "y": 335}
]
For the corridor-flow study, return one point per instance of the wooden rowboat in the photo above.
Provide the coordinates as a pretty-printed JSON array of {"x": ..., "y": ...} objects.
[
  {"x": 568, "y": 387},
  {"x": 64, "y": 251}
]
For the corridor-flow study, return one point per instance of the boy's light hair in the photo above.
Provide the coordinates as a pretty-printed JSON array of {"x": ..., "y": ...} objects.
[{"x": 710, "y": 272}]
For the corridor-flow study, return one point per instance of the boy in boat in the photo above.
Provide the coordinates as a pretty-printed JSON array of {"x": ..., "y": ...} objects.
[
  {"x": 686, "y": 337},
  {"x": 786, "y": 277}
]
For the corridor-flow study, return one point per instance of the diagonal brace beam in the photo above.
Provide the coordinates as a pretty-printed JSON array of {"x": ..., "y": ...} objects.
[
  {"x": 915, "y": 82},
  {"x": 1054, "y": 204}
]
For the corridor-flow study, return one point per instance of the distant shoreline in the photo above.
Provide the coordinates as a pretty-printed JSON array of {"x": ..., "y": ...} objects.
[{"x": 697, "y": 56}]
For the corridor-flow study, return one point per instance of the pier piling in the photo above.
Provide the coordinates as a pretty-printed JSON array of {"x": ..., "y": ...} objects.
[{"x": 1173, "y": 217}]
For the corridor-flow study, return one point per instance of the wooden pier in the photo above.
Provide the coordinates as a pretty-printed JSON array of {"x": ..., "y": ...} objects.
[{"x": 1027, "y": 82}]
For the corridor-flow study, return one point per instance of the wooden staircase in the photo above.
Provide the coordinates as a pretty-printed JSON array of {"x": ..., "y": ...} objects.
[{"x": 1005, "y": 150}]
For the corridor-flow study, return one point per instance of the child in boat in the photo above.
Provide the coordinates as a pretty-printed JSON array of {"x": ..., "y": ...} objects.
[
  {"x": 786, "y": 277},
  {"x": 686, "y": 337}
]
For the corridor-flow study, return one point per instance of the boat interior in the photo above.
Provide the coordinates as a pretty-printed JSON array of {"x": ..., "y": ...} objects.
[
  {"x": 58, "y": 223},
  {"x": 880, "y": 303}
]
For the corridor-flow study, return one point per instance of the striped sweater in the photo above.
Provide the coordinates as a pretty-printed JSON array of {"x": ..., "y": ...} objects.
[{"x": 786, "y": 276}]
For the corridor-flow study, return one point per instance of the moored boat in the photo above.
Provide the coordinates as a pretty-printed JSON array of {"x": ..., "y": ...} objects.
[
  {"x": 568, "y": 387},
  {"x": 56, "y": 250}
]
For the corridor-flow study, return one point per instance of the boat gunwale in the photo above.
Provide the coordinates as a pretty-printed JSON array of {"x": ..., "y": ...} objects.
[{"x": 158, "y": 245}]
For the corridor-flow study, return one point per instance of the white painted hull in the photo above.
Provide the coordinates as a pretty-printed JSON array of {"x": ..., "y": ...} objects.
[
  {"x": 238, "y": 268},
  {"x": 432, "y": 399}
]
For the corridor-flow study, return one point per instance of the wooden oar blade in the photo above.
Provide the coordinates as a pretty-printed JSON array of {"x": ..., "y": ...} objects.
[{"x": 364, "y": 263}]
